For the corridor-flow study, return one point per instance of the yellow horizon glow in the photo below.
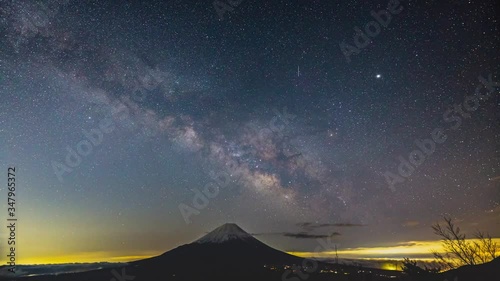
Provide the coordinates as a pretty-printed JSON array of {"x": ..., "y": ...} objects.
[
  {"x": 85, "y": 257},
  {"x": 402, "y": 249},
  {"x": 398, "y": 251}
]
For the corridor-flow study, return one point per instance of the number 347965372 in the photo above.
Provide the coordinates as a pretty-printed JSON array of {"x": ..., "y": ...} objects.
[{"x": 11, "y": 184}]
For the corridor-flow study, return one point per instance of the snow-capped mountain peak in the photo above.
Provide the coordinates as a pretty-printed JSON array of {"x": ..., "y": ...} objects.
[{"x": 225, "y": 232}]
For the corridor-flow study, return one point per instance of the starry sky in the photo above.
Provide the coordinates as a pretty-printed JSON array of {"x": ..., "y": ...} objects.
[{"x": 137, "y": 126}]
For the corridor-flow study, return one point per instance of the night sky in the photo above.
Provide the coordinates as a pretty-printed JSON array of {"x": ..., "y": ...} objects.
[{"x": 118, "y": 114}]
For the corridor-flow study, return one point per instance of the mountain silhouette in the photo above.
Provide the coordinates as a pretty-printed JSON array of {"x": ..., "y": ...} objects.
[{"x": 226, "y": 251}]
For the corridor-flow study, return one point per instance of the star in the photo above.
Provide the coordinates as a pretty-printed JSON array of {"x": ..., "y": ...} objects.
[{"x": 152, "y": 111}]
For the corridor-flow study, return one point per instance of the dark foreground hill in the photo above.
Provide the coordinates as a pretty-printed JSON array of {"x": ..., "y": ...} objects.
[{"x": 486, "y": 271}]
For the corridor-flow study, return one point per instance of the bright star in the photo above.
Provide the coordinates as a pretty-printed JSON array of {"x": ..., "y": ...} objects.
[{"x": 378, "y": 76}]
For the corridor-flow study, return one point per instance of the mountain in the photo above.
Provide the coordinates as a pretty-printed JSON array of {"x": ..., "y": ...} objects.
[
  {"x": 226, "y": 253},
  {"x": 224, "y": 233}
]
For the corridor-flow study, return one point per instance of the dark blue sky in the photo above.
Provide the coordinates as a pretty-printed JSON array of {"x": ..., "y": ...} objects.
[{"x": 308, "y": 132}]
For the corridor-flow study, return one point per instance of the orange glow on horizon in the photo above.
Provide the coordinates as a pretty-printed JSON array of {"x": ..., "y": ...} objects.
[
  {"x": 418, "y": 250},
  {"x": 411, "y": 249},
  {"x": 91, "y": 257},
  {"x": 389, "y": 266}
]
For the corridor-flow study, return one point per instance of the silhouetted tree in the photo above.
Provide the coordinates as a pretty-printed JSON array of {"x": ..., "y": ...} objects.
[
  {"x": 458, "y": 250},
  {"x": 411, "y": 268}
]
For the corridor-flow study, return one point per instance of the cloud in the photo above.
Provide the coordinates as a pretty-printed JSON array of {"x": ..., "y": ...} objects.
[
  {"x": 309, "y": 226},
  {"x": 305, "y": 235},
  {"x": 299, "y": 235},
  {"x": 495, "y": 178},
  {"x": 408, "y": 244},
  {"x": 342, "y": 225}
]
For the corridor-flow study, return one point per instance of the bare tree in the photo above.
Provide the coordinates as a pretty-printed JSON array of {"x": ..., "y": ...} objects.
[
  {"x": 411, "y": 268},
  {"x": 458, "y": 250}
]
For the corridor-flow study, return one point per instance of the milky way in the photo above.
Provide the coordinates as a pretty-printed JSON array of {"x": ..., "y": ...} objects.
[{"x": 156, "y": 102}]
